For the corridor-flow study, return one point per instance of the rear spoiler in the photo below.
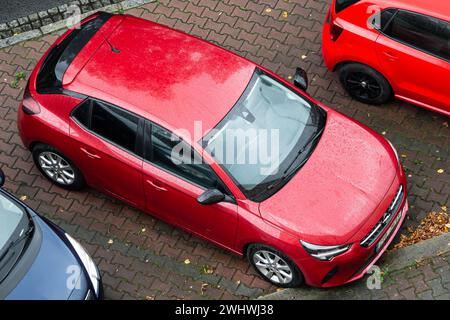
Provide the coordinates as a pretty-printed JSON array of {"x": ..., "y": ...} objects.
[{"x": 50, "y": 76}]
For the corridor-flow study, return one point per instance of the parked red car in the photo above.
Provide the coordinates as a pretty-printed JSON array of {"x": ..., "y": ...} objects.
[
  {"x": 110, "y": 101},
  {"x": 391, "y": 48}
]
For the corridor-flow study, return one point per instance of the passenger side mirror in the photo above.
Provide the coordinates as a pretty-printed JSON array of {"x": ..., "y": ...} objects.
[
  {"x": 211, "y": 196},
  {"x": 2, "y": 178},
  {"x": 301, "y": 79}
]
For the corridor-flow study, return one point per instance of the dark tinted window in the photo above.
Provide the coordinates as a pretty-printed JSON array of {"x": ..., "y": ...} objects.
[
  {"x": 342, "y": 4},
  {"x": 386, "y": 17},
  {"x": 174, "y": 155},
  {"x": 423, "y": 32},
  {"x": 115, "y": 125},
  {"x": 82, "y": 113}
]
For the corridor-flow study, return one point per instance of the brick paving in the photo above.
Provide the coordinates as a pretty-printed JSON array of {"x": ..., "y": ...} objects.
[{"x": 141, "y": 257}]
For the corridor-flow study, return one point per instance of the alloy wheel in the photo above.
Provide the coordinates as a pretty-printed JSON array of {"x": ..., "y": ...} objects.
[
  {"x": 56, "y": 168},
  {"x": 363, "y": 86},
  {"x": 273, "y": 267}
]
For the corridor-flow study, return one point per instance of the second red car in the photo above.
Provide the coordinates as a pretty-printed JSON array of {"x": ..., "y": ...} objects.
[{"x": 391, "y": 48}]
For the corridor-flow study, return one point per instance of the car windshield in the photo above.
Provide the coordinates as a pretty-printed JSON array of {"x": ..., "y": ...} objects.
[
  {"x": 11, "y": 217},
  {"x": 265, "y": 136}
]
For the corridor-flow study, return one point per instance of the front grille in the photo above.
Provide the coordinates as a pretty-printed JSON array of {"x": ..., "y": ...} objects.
[{"x": 373, "y": 235}]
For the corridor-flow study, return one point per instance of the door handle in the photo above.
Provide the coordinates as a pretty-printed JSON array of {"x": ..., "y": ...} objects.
[
  {"x": 156, "y": 186},
  {"x": 90, "y": 155},
  {"x": 390, "y": 56}
]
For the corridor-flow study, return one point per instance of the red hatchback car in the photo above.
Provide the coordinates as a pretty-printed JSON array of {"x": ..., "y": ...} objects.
[
  {"x": 112, "y": 102},
  {"x": 391, "y": 48}
]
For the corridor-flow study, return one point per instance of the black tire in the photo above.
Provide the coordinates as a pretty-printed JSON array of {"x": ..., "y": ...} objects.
[
  {"x": 365, "y": 84},
  {"x": 43, "y": 150},
  {"x": 297, "y": 276}
]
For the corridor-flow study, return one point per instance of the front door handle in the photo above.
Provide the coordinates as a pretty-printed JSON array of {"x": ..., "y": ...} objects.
[
  {"x": 158, "y": 188},
  {"x": 390, "y": 56},
  {"x": 89, "y": 154}
]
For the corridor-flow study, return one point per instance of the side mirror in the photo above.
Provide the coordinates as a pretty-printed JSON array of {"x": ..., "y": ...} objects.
[
  {"x": 2, "y": 178},
  {"x": 211, "y": 196},
  {"x": 301, "y": 79}
]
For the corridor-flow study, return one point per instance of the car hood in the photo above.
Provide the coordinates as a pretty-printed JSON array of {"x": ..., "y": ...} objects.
[
  {"x": 340, "y": 186},
  {"x": 49, "y": 275}
]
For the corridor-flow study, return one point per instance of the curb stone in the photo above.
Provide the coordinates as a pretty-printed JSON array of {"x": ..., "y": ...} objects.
[
  {"x": 62, "y": 24},
  {"x": 392, "y": 261}
]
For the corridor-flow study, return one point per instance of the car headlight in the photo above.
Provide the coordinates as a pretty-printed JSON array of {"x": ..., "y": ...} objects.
[
  {"x": 324, "y": 253},
  {"x": 88, "y": 263}
]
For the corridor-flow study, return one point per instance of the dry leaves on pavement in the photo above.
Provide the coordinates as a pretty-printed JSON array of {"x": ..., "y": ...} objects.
[{"x": 434, "y": 224}]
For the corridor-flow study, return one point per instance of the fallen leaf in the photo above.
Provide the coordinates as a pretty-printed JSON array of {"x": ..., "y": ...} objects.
[
  {"x": 203, "y": 289},
  {"x": 304, "y": 57},
  {"x": 206, "y": 269},
  {"x": 149, "y": 298},
  {"x": 110, "y": 241},
  {"x": 404, "y": 156},
  {"x": 440, "y": 171},
  {"x": 23, "y": 198},
  {"x": 268, "y": 10},
  {"x": 285, "y": 14},
  {"x": 143, "y": 230},
  {"x": 187, "y": 261},
  {"x": 434, "y": 224}
]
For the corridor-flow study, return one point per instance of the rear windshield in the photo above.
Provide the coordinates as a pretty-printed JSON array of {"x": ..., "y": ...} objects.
[
  {"x": 51, "y": 74},
  {"x": 342, "y": 4}
]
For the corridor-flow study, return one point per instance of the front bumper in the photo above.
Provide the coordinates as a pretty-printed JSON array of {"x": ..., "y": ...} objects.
[{"x": 353, "y": 264}]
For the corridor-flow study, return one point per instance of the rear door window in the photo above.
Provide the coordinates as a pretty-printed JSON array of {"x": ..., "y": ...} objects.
[
  {"x": 82, "y": 113},
  {"x": 115, "y": 125},
  {"x": 171, "y": 153},
  {"x": 422, "y": 32}
]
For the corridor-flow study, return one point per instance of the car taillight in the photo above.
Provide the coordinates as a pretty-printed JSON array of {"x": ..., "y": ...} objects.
[
  {"x": 29, "y": 105},
  {"x": 335, "y": 29}
]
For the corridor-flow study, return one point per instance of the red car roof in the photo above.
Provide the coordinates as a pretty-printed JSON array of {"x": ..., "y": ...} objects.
[{"x": 161, "y": 74}]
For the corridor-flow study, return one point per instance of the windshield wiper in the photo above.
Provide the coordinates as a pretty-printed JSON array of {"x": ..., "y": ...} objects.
[
  {"x": 12, "y": 244},
  {"x": 287, "y": 173}
]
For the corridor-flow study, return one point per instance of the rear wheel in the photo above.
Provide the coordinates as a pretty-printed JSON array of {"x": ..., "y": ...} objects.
[
  {"x": 274, "y": 266},
  {"x": 57, "y": 167},
  {"x": 365, "y": 84}
]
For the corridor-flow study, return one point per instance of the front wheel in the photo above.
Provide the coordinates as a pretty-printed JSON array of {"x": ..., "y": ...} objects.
[
  {"x": 57, "y": 168},
  {"x": 365, "y": 84},
  {"x": 274, "y": 266}
]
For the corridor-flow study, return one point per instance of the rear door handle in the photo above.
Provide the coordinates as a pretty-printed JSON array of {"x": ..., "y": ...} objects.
[
  {"x": 390, "y": 56},
  {"x": 156, "y": 186},
  {"x": 90, "y": 155}
]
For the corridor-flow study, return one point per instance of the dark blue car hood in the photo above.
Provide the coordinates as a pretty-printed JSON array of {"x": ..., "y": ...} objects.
[{"x": 47, "y": 277}]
